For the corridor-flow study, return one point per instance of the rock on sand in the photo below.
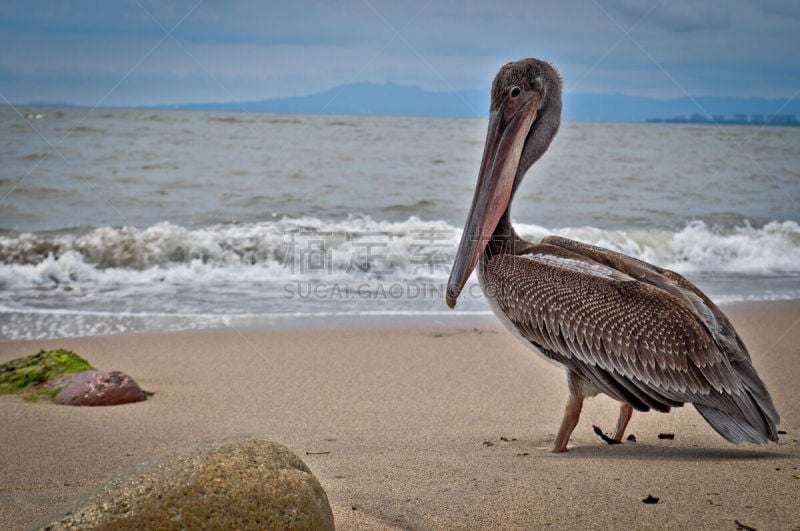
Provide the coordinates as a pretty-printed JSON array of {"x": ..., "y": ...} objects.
[
  {"x": 245, "y": 484},
  {"x": 100, "y": 388}
]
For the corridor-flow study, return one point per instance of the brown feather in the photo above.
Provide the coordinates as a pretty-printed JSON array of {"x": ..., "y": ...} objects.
[
  {"x": 586, "y": 313},
  {"x": 730, "y": 346}
]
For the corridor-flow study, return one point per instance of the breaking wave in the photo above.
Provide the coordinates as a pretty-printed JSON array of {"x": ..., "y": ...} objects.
[
  {"x": 169, "y": 277},
  {"x": 773, "y": 249},
  {"x": 357, "y": 247}
]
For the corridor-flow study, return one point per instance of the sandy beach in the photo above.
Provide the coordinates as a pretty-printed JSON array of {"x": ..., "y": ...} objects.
[{"x": 413, "y": 428}]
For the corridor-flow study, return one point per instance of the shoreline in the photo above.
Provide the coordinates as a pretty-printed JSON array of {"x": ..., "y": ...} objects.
[
  {"x": 320, "y": 320},
  {"x": 405, "y": 412}
]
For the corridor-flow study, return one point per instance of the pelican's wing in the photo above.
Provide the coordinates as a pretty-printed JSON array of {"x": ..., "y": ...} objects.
[
  {"x": 718, "y": 325},
  {"x": 638, "y": 342}
]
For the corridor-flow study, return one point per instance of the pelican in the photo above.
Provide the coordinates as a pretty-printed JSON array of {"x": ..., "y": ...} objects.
[{"x": 643, "y": 335}]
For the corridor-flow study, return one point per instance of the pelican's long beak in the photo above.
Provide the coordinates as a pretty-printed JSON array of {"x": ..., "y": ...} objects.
[{"x": 508, "y": 129}]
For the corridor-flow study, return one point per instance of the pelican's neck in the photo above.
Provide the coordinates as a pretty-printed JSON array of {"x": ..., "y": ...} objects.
[{"x": 505, "y": 239}]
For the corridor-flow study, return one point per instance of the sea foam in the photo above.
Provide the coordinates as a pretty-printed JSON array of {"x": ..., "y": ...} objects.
[
  {"x": 169, "y": 277},
  {"x": 356, "y": 248}
]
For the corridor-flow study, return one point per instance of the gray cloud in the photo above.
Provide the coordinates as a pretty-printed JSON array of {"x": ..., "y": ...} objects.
[
  {"x": 226, "y": 51},
  {"x": 678, "y": 16},
  {"x": 781, "y": 8}
]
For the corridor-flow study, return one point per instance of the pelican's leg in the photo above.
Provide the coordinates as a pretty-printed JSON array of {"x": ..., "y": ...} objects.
[
  {"x": 625, "y": 412},
  {"x": 571, "y": 415}
]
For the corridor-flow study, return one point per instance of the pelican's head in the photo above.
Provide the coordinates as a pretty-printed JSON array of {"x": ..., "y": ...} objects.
[{"x": 524, "y": 116}]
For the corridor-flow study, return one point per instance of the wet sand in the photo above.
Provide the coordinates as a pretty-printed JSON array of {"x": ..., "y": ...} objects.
[{"x": 413, "y": 428}]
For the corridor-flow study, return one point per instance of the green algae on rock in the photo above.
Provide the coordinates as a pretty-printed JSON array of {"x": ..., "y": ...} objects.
[
  {"x": 245, "y": 484},
  {"x": 31, "y": 373}
]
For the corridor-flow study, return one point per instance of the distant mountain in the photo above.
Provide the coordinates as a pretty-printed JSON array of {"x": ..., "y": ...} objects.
[
  {"x": 388, "y": 99},
  {"x": 49, "y": 104},
  {"x": 391, "y": 99}
]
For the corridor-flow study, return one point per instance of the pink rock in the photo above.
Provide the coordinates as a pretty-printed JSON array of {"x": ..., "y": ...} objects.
[{"x": 100, "y": 388}]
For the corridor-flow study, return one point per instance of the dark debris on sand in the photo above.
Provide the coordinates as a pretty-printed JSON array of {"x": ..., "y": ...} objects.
[{"x": 605, "y": 437}]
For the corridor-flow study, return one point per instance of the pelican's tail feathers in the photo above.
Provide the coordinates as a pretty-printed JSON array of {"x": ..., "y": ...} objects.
[{"x": 736, "y": 429}]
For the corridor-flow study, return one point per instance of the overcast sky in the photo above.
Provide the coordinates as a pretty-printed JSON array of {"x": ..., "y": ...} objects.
[{"x": 107, "y": 52}]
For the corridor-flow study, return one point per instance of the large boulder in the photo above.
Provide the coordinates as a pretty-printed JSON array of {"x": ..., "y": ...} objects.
[
  {"x": 245, "y": 484},
  {"x": 100, "y": 388}
]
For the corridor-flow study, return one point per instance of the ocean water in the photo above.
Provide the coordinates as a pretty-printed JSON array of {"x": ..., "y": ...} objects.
[{"x": 136, "y": 220}]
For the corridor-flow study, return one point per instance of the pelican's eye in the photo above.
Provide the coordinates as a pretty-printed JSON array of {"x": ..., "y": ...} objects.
[{"x": 514, "y": 92}]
